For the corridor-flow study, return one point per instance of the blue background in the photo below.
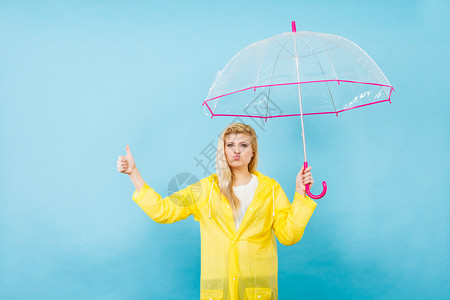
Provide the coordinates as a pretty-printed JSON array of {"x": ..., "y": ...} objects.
[{"x": 79, "y": 80}]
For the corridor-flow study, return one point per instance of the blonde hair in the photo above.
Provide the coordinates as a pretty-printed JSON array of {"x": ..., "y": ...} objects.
[{"x": 226, "y": 177}]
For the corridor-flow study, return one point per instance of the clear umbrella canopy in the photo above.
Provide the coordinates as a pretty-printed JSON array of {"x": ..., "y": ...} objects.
[
  {"x": 262, "y": 80},
  {"x": 297, "y": 74}
]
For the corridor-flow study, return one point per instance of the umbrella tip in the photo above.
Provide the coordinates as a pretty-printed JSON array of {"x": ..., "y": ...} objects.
[{"x": 293, "y": 27}]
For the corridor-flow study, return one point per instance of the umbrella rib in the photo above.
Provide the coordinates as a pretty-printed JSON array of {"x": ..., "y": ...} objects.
[
  {"x": 282, "y": 46},
  {"x": 314, "y": 52},
  {"x": 271, "y": 75},
  {"x": 362, "y": 61},
  {"x": 304, "y": 46},
  {"x": 366, "y": 67},
  {"x": 329, "y": 60},
  {"x": 328, "y": 87},
  {"x": 259, "y": 65},
  {"x": 275, "y": 54}
]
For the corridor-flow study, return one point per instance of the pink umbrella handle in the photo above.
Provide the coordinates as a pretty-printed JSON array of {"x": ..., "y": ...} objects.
[{"x": 308, "y": 192}]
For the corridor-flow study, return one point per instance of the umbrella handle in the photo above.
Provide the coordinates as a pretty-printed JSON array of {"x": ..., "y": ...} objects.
[{"x": 308, "y": 192}]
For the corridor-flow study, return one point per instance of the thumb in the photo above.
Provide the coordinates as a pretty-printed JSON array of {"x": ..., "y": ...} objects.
[{"x": 128, "y": 150}]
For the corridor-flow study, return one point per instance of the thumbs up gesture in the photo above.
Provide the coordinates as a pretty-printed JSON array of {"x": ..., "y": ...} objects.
[{"x": 125, "y": 164}]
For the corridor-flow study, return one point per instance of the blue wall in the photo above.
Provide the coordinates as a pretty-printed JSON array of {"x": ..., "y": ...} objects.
[{"x": 81, "y": 79}]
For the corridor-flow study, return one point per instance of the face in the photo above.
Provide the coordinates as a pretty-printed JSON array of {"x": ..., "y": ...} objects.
[{"x": 238, "y": 150}]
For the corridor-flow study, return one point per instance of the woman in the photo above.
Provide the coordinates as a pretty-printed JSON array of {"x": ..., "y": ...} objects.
[{"x": 240, "y": 211}]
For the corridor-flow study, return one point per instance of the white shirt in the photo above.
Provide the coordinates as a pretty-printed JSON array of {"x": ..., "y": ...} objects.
[{"x": 245, "y": 194}]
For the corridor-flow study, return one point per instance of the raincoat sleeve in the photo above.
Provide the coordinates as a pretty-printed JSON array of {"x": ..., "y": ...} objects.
[
  {"x": 291, "y": 218},
  {"x": 173, "y": 208}
]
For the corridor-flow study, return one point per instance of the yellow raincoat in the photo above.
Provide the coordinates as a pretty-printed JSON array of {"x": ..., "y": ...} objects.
[{"x": 242, "y": 264}]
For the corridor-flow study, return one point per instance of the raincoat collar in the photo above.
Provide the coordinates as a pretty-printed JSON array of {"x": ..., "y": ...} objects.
[{"x": 264, "y": 182}]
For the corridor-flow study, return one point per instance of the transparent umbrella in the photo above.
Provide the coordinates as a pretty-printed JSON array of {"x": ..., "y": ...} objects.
[{"x": 297, "y": 73}]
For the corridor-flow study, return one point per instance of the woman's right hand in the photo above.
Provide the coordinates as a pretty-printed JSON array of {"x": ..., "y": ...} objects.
[{"x": 125, "y": 164}]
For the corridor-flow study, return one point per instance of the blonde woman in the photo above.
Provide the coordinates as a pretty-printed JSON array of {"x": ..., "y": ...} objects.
[{"x": 240, "y": 212}]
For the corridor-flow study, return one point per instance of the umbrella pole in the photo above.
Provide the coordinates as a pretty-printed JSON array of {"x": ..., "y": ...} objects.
[
  {"x": 305, "y": 164},
  {"x": 301, "y": 118},
  {"x": 299, "y": 94}
]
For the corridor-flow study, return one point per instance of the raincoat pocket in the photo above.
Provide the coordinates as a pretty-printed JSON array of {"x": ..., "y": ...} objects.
[
  {"x": 258, "y": 293},
  {"x": 211, "y": 295}
]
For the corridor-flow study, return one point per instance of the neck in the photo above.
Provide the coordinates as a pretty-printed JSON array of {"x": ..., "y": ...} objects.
[{"x": 241, "y": 176}]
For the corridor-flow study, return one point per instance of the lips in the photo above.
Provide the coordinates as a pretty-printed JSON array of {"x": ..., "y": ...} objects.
[{"x": 236, "y": 157}]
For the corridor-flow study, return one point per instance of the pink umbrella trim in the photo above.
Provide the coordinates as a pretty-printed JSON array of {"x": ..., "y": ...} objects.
[{"x": 305, "y": 114}]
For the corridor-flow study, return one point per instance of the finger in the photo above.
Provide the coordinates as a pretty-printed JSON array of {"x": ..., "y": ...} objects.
[
  {"x": 308, "y": 175},
  {"x": 307, "y": 178},
  {"x": 310, "y": 184},
  {"x": 122, "y": 158},
  {"x": 308, "y": 169},
  {"x": 307, "y": 182}
]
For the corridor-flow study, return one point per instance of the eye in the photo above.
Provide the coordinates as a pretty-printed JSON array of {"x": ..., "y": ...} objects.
[
  {"x": 229, "y": 145},
  {"x": 244, "y": 145}
]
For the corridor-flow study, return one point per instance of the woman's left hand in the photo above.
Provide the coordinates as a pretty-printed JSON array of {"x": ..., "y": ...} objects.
[{"x": 304, "y": 177}]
